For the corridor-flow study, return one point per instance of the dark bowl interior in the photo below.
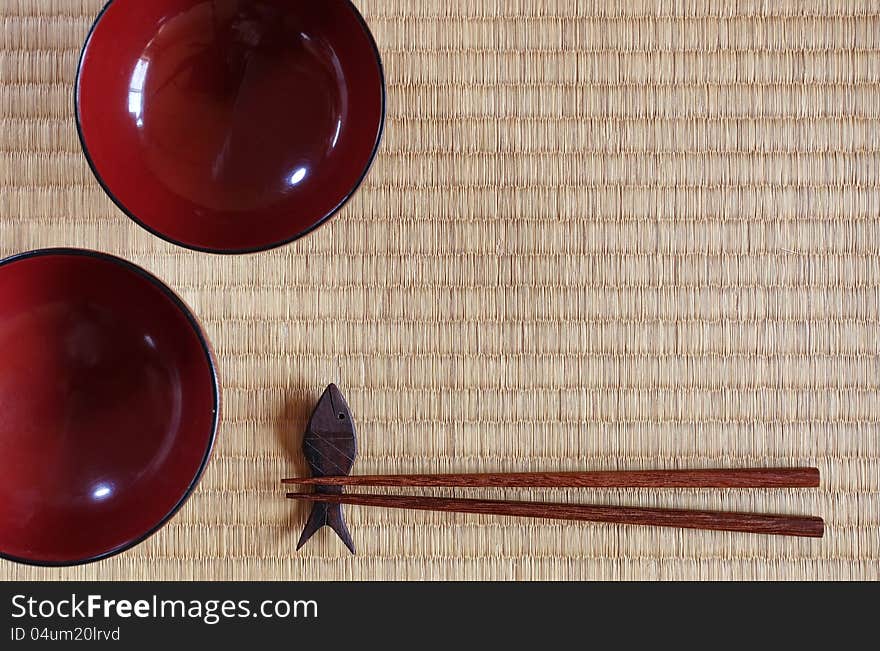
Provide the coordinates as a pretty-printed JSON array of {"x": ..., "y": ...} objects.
[
  {"x": 108, "y": 406},
  {"x": 230, "y": 125}
]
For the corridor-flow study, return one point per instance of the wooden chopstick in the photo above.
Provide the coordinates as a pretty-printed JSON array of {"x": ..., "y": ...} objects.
[
  {"x": 720, "y": 478},
  {"x": 781, "y": 525}
]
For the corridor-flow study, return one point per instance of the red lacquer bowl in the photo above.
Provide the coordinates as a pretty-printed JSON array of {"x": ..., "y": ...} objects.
[
  {"x": 109, "y": 405},
  {"x": 230, "y": 126}
]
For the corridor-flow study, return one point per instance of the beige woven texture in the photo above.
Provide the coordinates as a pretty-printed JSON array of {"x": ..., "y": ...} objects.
[{"x": 598, "y": 235}]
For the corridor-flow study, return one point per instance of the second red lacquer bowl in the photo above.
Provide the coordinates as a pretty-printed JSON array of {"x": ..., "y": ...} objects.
[
  {"x": 109, "y": 405},
  {"x": 230, "y": 126}
]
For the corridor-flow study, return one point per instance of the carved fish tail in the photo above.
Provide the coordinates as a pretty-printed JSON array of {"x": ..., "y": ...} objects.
[{"x": 329, "y": 515}]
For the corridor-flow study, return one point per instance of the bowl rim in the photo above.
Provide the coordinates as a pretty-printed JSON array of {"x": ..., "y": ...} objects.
[
  {"x": 383, "y": 114},
  {"x": 215, "y": 388}
]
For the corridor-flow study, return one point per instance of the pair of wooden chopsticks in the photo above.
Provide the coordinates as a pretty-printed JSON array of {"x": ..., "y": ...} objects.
[{"x": 783, "y": 525}]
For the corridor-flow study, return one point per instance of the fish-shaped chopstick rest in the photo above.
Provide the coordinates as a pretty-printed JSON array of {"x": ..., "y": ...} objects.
[{"x": 330, "y": 447}]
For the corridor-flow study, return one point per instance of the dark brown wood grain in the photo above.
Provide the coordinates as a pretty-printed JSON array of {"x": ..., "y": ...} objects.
[
  {"x": 782, "y": 525},
  {"x": 330, "y": 447},
  {"x": 713, "y": 478}
]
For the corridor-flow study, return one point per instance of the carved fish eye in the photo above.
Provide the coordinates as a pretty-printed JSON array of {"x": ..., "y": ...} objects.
[{"x": 341, "y": 416}]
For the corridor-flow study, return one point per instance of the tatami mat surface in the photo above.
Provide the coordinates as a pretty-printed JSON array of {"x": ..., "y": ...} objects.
[{"x": 598, "y": 235}]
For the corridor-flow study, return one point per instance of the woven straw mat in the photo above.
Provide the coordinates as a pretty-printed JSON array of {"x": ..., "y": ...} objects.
[{"x": 598, "y": 235}]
